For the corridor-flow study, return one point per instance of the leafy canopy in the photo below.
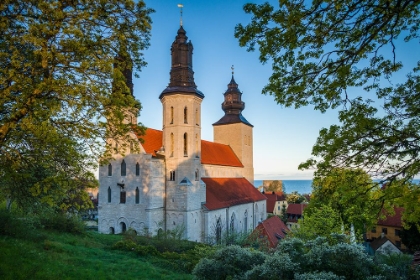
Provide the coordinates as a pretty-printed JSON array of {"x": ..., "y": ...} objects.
[
  {"x": 347, "y": 55},
  {"x": 56, "y": 68}
]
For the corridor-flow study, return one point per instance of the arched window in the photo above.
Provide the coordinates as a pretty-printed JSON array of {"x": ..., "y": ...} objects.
[
  {"x": 123, "y": 227},
  {"x": 123, "y": 168},
  {"x": 196, "y": 146},
  {"x": 172, "y": 144},
  {"x": 109, "y": 169},
  {"x": 122, "y": 195},
  {"x": 232, "y": 223},
  {"x": 185, "y": 145},
  {"x": 185, "y": 115},
  {"x": 246, "y": 221},
  {"x": 172, "y": 115},
  {"x": 218, "y": 230},
  {"x": 137, "y": 195},
  {"x": 197, "y": 175},
  {"x": 171, "y": 175},
  {"x": 109, "y": 194},
  {"x": 137, "y": 169}
]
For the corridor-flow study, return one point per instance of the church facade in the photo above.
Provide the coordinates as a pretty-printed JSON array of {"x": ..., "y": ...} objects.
[{"x": 176, "y": 181}]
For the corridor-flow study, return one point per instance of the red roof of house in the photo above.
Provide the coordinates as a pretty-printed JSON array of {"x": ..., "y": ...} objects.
[
  {"x": 218, "y": 154},
  {"x": 272, "y": 197},
  {"x": 211, "y": 153},
  {"x": 296, "y": 209},
  {"x": 393, "y": 221},
  {"x": 152, "y": 140},
  {"x": 274, "y": 229},
  {"x": 226, "y": 192}
]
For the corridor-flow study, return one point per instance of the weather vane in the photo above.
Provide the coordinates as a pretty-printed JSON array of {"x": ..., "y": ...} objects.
[
  {"x": 233, "y": 68},
  {"x": 180, "y": 6}
]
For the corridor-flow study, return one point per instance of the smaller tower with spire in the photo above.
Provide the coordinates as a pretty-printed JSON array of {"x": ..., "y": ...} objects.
[{"x": 234, "y": 130}]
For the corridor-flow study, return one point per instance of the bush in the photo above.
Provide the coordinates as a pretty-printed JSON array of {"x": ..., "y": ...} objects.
[
  {"x": 63, "y": 223},
  {"x": 276, "y": 266},
  {"x": 19, "y": 227},
  {"x": 318, "y": 276}
]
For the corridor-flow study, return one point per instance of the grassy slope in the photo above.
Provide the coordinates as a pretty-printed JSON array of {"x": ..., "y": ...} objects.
[{"x": 63, "y": 256}]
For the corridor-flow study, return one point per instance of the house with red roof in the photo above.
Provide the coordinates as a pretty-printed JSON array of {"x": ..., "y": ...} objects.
[
  {"x": 389, "y": 227},
  {"x": 294, "y": 213},
  {"x": 171, "y": 179},
  {"x": 276, "y": 202},
  {"x": 273, "y": 229}
]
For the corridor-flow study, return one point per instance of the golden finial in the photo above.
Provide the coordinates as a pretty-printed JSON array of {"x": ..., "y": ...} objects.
[{"x": 180, "y": 6}]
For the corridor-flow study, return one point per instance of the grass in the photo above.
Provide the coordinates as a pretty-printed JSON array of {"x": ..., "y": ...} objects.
[{"x": 52, "y": 255}]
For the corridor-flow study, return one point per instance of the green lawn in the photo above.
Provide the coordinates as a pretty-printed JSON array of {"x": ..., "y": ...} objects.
[{"x": 50, "y": 255}]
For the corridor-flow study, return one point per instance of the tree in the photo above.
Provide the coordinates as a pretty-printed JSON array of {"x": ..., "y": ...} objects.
[
  {"x": 57, "y": 102},
  {"x": 274, "y": 186},
  {"x": 323, "y": 222},
  {"x": 343, "y": 55},
  {"x": 410, "y": 237},
  {"x": 352, "y": 194},
  {"x": 295, "y": 197}
]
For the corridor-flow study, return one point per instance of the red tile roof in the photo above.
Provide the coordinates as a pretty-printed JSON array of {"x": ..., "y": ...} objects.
[
  {"x": 211, "y": 153},
  {"x": 296, "y": 209},
  {"x": 272, "y": 197},
  {"x": 226, "y": 192},
  {"x": 152, "y": 140},
  {"x": 274, "y": 229},
  {"x": 218, "y": 154},
  {"x": 393, "y": 221}
]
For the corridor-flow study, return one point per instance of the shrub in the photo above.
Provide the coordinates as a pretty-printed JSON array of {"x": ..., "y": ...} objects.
[
  {"x": 63, "y": 223},
  {"x": 318, "y": 276},
  {"x": 276, "y": 266}
]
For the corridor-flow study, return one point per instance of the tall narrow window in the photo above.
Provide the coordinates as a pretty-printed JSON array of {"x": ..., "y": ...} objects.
[
  {"x": 218, "y": 231},
  {"x": 123, "y": 168},
  {"x": 196, "y": 117},
  {"x": 109, "y": 194},
  {"x": 185, "y": 115},
  {"x": 109, "y": 169},
  {"x": 246, "y": 221},
  {"x": 197, "y": 175},
  {"x": 185, "y": 145},
  {"x": 232, "y": 223},
  {"x": 172, "y": 144},
  {"x": 172, "y": 175},
  {"x": 172, "y": 115},
  {"x": 116, "y": 147},
  {"x": 196, "y": 146},
  {"x": 137, "y": 169},
  {"x": 122, "y": 195},
  {"x": 137, "y": 195}
]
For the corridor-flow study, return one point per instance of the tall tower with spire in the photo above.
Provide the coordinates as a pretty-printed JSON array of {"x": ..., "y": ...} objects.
[
  {"x": 234, "y": 130},
  {"x": 181, "y": 101}
]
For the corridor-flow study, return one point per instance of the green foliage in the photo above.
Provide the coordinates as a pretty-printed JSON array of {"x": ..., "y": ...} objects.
[
  {"x": 319, "y": 222},
  {"x": 352, "y": 194},
  {"x": 227, "y": 263},
  {"x": 397, "y": 265},
  {"x": 63, "y": 223},
  {"x": 318, "y": 276},
  {"x": 346, "y": 55},
  {"x": 295, "y": 197},
  {"x": 410, "y": 237},
  {"x": 275, "y": 186},
  {"x": 57, "y": 61},
  {"x": 275, "y": 266}
]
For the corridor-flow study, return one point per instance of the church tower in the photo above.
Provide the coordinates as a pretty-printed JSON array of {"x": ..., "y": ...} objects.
[
  {"x": 234, "y": 130},
  {"x": 181, "y": 102}
]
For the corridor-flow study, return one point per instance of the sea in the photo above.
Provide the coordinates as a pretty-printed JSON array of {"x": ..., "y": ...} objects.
[{"x": 289, "y": 186}]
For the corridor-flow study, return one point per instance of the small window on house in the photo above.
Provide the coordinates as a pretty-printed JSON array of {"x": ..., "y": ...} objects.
[
  {"x": 172, "y": 175},
  {"x": 122, "y": 195},
  {"x": 398, "y": 244},
  {"x": 137, "y": 169},
  {"x": 109, "y": 194},
  {"x": 109, "y": 169},
  {"x": 397, "y": 232},
  {"x": 123, "y": 168},
  {"x": 185, "y": 115},
  {"x": 385, "y": 230},
  {"x": 137, "y": 195},
  {"x": 373, "y": 230}
]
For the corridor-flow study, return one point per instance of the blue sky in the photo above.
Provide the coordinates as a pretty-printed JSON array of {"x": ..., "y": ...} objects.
[{"x": 283, "y": 137}]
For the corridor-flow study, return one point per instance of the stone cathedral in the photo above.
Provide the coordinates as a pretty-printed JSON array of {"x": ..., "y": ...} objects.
[{"x": 178, "y": 181}]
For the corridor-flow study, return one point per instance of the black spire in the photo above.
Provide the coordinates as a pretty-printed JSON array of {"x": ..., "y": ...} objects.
[
  {"x": 233, "y": 105},
  {"x": 182, "y": 75}
]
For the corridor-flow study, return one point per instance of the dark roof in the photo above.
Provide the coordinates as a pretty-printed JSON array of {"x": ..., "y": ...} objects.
[
  {"x": 226, "y": 192},
  {"x": 232, "y": 118},
  {"x": 274, "y": 229},
  {"x": 296, "y": 209},
  {"x": 393, "y": 221},
  {"x": 379, "y": 242},
  {"x": 272, "y": 197}
]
